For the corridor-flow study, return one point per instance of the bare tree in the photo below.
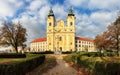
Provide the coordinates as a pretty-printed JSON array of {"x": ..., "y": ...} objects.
[{"x": 12, "y": 34}]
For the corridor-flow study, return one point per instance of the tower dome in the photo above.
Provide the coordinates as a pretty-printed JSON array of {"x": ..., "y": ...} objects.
[
  {"x": 51, "y": 13},
  {"x": 71, "y": 12}
]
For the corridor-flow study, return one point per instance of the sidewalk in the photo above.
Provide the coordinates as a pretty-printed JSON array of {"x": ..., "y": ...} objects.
[{"x": 62, "y": 68}]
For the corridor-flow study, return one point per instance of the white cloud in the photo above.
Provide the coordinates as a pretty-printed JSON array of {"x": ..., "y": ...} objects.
[
  {"x": 76, "y": 3},
  {"x": 9, "y": 7},
  {"x": 94, "y": 4},
  {"x": 37, "y": 4},
  {"x": 59, "y": 12},
  {"x": 43, "y": 12},
  {"x": 93, "y": 24},
  {"x": 104, "y": 4},
  {"x": 103, "y": 17}
]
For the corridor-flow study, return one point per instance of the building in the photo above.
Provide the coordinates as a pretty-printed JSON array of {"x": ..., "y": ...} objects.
[
  {"x": 84, "y": 44},
  {"x": 61, "y": 36},
  {"x": 38, "y": 45}
]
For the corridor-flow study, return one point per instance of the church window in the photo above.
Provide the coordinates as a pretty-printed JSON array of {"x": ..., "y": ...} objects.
[
  {"x": 50, "y": 24},
  {"x": 60, "y": 38},
  {"x": 71, "y": 23}
]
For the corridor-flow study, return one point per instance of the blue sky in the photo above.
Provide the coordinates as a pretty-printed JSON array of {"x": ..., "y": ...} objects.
[{"x": 92, "y": 16}]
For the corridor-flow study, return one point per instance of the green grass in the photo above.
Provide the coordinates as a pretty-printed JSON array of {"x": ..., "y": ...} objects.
[
  {"x": 10, "y": 60},
  {"x": 20, "y": 66}
]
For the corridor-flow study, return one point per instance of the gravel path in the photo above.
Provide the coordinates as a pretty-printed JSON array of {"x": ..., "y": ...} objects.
[{"x": 62, "y": 68}]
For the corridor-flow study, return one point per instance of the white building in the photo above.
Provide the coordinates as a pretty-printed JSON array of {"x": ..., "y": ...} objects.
[{"x": 81, "y": 44}]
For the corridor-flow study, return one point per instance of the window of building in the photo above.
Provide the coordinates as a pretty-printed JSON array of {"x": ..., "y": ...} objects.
[
  {"x": 60, "y": 39},
  {"x": 50, "y": 24},
  {"x": 71, "y": 23},
  {"x": 76, "y": 41},
  {"x": 76, "y": 45}
]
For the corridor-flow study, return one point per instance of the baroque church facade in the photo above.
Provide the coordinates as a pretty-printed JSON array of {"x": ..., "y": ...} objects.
[{"x": 61, "y": 36}]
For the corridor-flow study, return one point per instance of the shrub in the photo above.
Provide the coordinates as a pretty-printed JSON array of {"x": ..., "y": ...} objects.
[
  {"x": 102, "y": 68},
  {"x": 46, "y": 52},
  {"x": 67, "y": 52},
  {"x": 96, "y": 65},
  {"x": 21, "y": 67},
  {"x": 97, "y": 54},
  {"x": 12, "y": 55}
]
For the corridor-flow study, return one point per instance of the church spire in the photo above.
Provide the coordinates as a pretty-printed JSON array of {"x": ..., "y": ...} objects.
[
  {"x": 71, "y": 12},
  {"x": 51, "y": 12}
]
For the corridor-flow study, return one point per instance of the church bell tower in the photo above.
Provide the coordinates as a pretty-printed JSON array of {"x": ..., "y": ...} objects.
[{"x": 50, "y": 30}]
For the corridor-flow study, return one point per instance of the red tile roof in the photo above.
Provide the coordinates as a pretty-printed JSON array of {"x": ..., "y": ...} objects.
[
  {"x": 76, "y": 38},
  {"x": 83, "y": 39},
  {"x": 39, "y": 40}
]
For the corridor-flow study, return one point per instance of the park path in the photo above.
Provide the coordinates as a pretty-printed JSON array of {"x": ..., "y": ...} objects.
[{"x": 62, "y": 68}]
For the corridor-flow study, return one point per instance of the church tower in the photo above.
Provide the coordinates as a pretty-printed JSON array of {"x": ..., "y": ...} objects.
[
  {"x": 71, "y": 19},
  {"x": 50, "y": 28},
  {"x": 71, "y": 30},
  {"x": 61, "y": 37}
]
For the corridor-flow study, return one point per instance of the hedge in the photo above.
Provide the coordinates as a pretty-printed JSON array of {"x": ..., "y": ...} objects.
[
  {"x": 46, "y": 52},
  {"x": 102, "y": 68},
  {"x": 67, "y": 52},
  {"x": 21, "y": 67},
  {"x": 12, "y": 55},
  {"x": 96, "y": 66},
  {"x": 97, "y": 54}
]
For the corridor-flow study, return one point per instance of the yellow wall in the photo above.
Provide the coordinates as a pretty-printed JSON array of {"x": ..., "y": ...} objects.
[{"x": 60, "y": 31}]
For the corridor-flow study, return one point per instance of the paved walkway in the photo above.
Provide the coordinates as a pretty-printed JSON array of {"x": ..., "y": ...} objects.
[{"x": 62, "y": 68}]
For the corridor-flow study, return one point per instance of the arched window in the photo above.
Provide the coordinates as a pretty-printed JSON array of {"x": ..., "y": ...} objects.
[
  {"x": 50, "y": 24},
  {"x": 71, "y": 23}
]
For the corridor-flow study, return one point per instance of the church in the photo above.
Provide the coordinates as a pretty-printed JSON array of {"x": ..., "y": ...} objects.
[{"x": 61, "y": 36}]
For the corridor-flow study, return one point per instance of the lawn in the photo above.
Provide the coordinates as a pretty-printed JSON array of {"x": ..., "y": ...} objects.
[
  {"x": 9, "y": 60},
  {"x": 20, "y": 66}
]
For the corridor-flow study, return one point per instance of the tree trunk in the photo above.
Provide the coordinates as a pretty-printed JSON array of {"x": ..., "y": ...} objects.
[
  {"x": 117, "y": 44},
  {"x": 117, "y": 52},
  {"x": 16, "y": 49}
]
